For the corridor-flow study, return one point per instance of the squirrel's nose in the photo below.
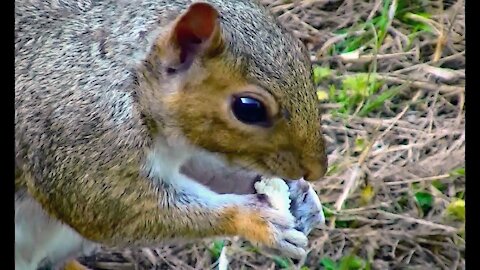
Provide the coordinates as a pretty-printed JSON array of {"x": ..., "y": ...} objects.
[{"x": 314, "y": 169}]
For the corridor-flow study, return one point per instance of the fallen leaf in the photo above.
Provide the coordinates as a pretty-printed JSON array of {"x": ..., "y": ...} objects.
[
  {"x": 367, "y": 194},
  {"x": 322, "y": 95},
  {"x": 456, "y": 209}
]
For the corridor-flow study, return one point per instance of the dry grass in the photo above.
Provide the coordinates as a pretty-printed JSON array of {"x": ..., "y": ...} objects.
[{"x": 379, "y": 162}]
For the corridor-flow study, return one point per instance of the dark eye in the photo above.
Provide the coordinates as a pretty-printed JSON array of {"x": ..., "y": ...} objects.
[{"x": 250, "y": 111}]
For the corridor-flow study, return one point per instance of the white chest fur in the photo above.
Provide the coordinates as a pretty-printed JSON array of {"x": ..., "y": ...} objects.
[{"x": 40, "y": 238}]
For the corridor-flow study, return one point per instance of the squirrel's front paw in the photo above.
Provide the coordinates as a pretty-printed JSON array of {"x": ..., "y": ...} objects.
[
  {"x": 305, "y": 206},
  {"x": 287, "y": 240},
  {"x": 272, "y": 229}
]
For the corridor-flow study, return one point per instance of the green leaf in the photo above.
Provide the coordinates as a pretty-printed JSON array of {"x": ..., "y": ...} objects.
[
  {"x": 320, "y": 73},
  {"x": 439, "y": 185},
  {"x": 332, "y": 91},
  {"x": 253, "y": 249},
  {"x": 359, "y": 87},
  {"x": 425, "y": 15},
  {"x": 328, "y": 212},
  {"x": 360, "y": 144},
  {"x": 461, "y": 233},
  {"x": 351, "y": 262},
  {"x": 403, "y": 201},
  {"x": 332, "y": 169},
  {"x": 424, "y": 200},
  {"x": 456, "y": 209},
  {"x": 368, "y": 266},
  {"x": 322, "y": 95},
  {"x": 216, "y": 249},
  {"x": 416, "y": 186},
  {"x": 378, "y": 101},
  {"x": 328, "y": 263},
  {"x": 367, "y": 193},
  {"x": 343, "y": 223},
  {"x": 282, "y": 262},
  {"x": 458, "y": 172},
  {"x": 304, "y": 268},
  {"x": 421, "y": 27}
]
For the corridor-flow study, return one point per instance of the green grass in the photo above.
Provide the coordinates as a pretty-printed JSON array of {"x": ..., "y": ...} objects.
[
  {"x": 348, "y": 262},
  {"x": 216, "y": 249},
  {"x": 363, "y": 93},
  {"x": 355, "y": 93},
  {"x": 380, "y": 25}
]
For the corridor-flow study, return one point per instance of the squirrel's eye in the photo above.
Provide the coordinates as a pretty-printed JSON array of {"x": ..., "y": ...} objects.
[{"x": 250, "y": 111}]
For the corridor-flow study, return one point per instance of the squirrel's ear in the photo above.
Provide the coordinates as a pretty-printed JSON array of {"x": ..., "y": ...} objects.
[{"x": 195, "y": 32}]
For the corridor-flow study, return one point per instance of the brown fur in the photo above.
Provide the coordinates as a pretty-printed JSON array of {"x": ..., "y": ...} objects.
[
  {"x": 74, "y": 265},
  {"x": 251, "y": 224}
]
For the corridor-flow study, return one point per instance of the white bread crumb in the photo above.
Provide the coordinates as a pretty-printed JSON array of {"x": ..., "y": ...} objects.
[{"x": 277, "y": 191}]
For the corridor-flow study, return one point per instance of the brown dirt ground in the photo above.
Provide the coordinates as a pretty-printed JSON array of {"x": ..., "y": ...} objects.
[{"x": 416, "y": 138}]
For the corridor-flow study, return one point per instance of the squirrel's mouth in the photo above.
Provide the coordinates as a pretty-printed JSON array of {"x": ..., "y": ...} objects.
[
  {"x": 220, "y": 177},
  {"x": 224, "y": 179}
]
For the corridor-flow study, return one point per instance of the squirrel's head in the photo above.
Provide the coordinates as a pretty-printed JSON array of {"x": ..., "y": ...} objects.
[{"x": 233, "y": 82}]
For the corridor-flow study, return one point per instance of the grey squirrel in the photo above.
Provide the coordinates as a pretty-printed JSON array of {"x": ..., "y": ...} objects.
[{"x": 112, "y": 98}]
